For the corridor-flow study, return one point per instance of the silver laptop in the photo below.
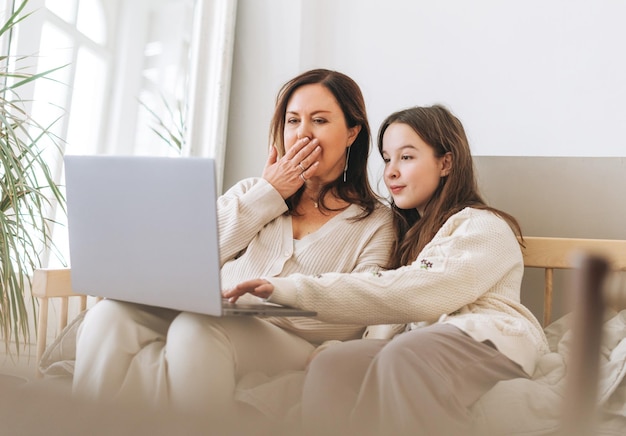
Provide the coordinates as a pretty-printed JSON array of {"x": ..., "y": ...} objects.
[{"x": 144, "y": 230}]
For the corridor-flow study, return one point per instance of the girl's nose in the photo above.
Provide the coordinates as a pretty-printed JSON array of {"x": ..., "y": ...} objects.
[{"x": 391, "y": 172}]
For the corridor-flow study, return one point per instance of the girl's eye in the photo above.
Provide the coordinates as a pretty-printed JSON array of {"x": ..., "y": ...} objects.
[
  {"x": 406, "y": 157},
  {"x": 386, "y": 160}
]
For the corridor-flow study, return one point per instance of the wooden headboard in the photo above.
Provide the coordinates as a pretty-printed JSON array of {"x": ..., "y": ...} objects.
[{"x": 560, "y": 253}]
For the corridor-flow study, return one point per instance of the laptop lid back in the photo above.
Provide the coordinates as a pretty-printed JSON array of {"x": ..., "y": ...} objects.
[{"x": 144, "y": 230}]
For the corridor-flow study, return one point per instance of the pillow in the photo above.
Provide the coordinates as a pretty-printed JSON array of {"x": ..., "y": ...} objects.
[{"x": 59, "y": 357}]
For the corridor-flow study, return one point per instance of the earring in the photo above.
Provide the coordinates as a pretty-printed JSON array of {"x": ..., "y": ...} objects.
[{"x": 345, "y": 169}]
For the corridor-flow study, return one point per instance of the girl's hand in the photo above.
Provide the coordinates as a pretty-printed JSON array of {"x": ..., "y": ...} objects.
[
  {"x": 258, "y": 287},
  {"x": 299, "y": 164}
]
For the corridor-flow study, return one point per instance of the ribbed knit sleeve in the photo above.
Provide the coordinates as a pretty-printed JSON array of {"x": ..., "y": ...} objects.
[{"x": 243, "y": 211}]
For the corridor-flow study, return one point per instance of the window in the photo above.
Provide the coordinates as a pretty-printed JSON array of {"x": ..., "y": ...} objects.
[{"x": 128, "y": 70}]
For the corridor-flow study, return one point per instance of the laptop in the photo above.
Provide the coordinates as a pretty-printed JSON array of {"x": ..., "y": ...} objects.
[{"x": 144, "y": 230}]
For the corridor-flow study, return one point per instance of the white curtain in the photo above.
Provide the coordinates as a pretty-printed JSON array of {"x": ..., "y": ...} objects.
[{"x": 211, "y": 68}]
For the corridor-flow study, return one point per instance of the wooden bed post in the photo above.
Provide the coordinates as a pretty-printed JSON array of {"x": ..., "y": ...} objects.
[
  {"x": 547, "y": 296},
  {"x": 580, "y": 403}
]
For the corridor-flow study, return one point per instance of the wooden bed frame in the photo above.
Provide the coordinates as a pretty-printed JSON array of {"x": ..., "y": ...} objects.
[{"x": 560, "y": 253}]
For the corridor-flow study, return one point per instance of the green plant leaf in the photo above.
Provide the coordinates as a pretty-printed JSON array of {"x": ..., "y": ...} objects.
[{"x": 28, "y": 193}]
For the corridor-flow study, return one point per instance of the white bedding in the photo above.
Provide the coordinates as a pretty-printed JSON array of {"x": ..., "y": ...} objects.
[
  {"x": 513, "y": 407},
  {"x": 533, "y": 407}
]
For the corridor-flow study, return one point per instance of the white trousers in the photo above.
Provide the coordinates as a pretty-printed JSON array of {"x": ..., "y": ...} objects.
[
  {"x": 423, "y": 382},
  {"x": 158, "y": 357}
]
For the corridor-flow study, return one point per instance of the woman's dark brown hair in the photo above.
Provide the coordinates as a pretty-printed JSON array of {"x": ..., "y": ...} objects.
[
  {"x": 442, "y": 131},
  {"x": 356, "y": 189}
]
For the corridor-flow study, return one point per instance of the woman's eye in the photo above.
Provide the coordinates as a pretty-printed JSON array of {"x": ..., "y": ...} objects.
[
  {"x": 386, "y": 160},
  {"x": 292, "y": 120},
  {"x": 319, "y": 120},
  {"x": 406, "y": 157}
]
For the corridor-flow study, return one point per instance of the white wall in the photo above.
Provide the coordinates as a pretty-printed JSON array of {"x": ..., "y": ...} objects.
[{"x": 527, "y": 78}]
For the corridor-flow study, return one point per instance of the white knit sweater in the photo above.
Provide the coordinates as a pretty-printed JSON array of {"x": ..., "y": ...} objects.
[
  {"x": 469, "y": 275},
  {"x": 256, "y": 240}
]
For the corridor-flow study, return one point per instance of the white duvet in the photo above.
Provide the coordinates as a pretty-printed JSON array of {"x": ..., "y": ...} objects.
[
  {"x": 513, "y": 407},
  {"x": 533, "y": 406}
]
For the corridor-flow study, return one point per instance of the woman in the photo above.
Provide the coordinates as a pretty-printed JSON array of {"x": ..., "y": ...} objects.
[
  {"x": 314, "y": 199},
  {"x": 456, "y": 283}
]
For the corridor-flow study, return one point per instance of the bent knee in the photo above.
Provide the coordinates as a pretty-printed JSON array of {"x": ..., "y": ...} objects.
[
  {"x": 328, "y": 369},
  {"x": 344, "y": 359},
  {"x": 192, "y": 329},
  {"x": 325, "y": 358},
  {"x": 414, "y": 349},
  {"x": 109, "y": 313},
  {"x": 107, "y": 320}
]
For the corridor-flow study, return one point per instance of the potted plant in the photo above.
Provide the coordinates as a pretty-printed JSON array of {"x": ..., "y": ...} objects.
[{"x": 29, "y": 192}]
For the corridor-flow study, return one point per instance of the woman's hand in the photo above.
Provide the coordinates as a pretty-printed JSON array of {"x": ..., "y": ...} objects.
[
  {"x": 299, "y": 164},
  {"x": 258, "y": 287}
]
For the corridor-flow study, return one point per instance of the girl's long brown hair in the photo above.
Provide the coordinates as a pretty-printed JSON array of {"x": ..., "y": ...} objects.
[{"x": 441, "y": 130}]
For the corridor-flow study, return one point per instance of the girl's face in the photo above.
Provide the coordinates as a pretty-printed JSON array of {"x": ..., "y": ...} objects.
[
  {"x": 313, "y": 111},
  {"x": 412, "y": 171}
]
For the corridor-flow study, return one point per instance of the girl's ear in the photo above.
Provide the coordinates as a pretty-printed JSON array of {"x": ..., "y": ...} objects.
[{"x": 446, "y": 164}]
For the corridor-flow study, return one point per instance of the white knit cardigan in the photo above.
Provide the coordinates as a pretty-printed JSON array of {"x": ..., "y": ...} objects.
[
  {"x": 469, "y": 275},
  {"x": 256, "y": 240}
]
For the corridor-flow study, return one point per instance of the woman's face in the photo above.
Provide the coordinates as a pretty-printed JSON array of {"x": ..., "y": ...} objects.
[
  {"x": 412, "y": 171},
  {"x": 313, "y": 111}
]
